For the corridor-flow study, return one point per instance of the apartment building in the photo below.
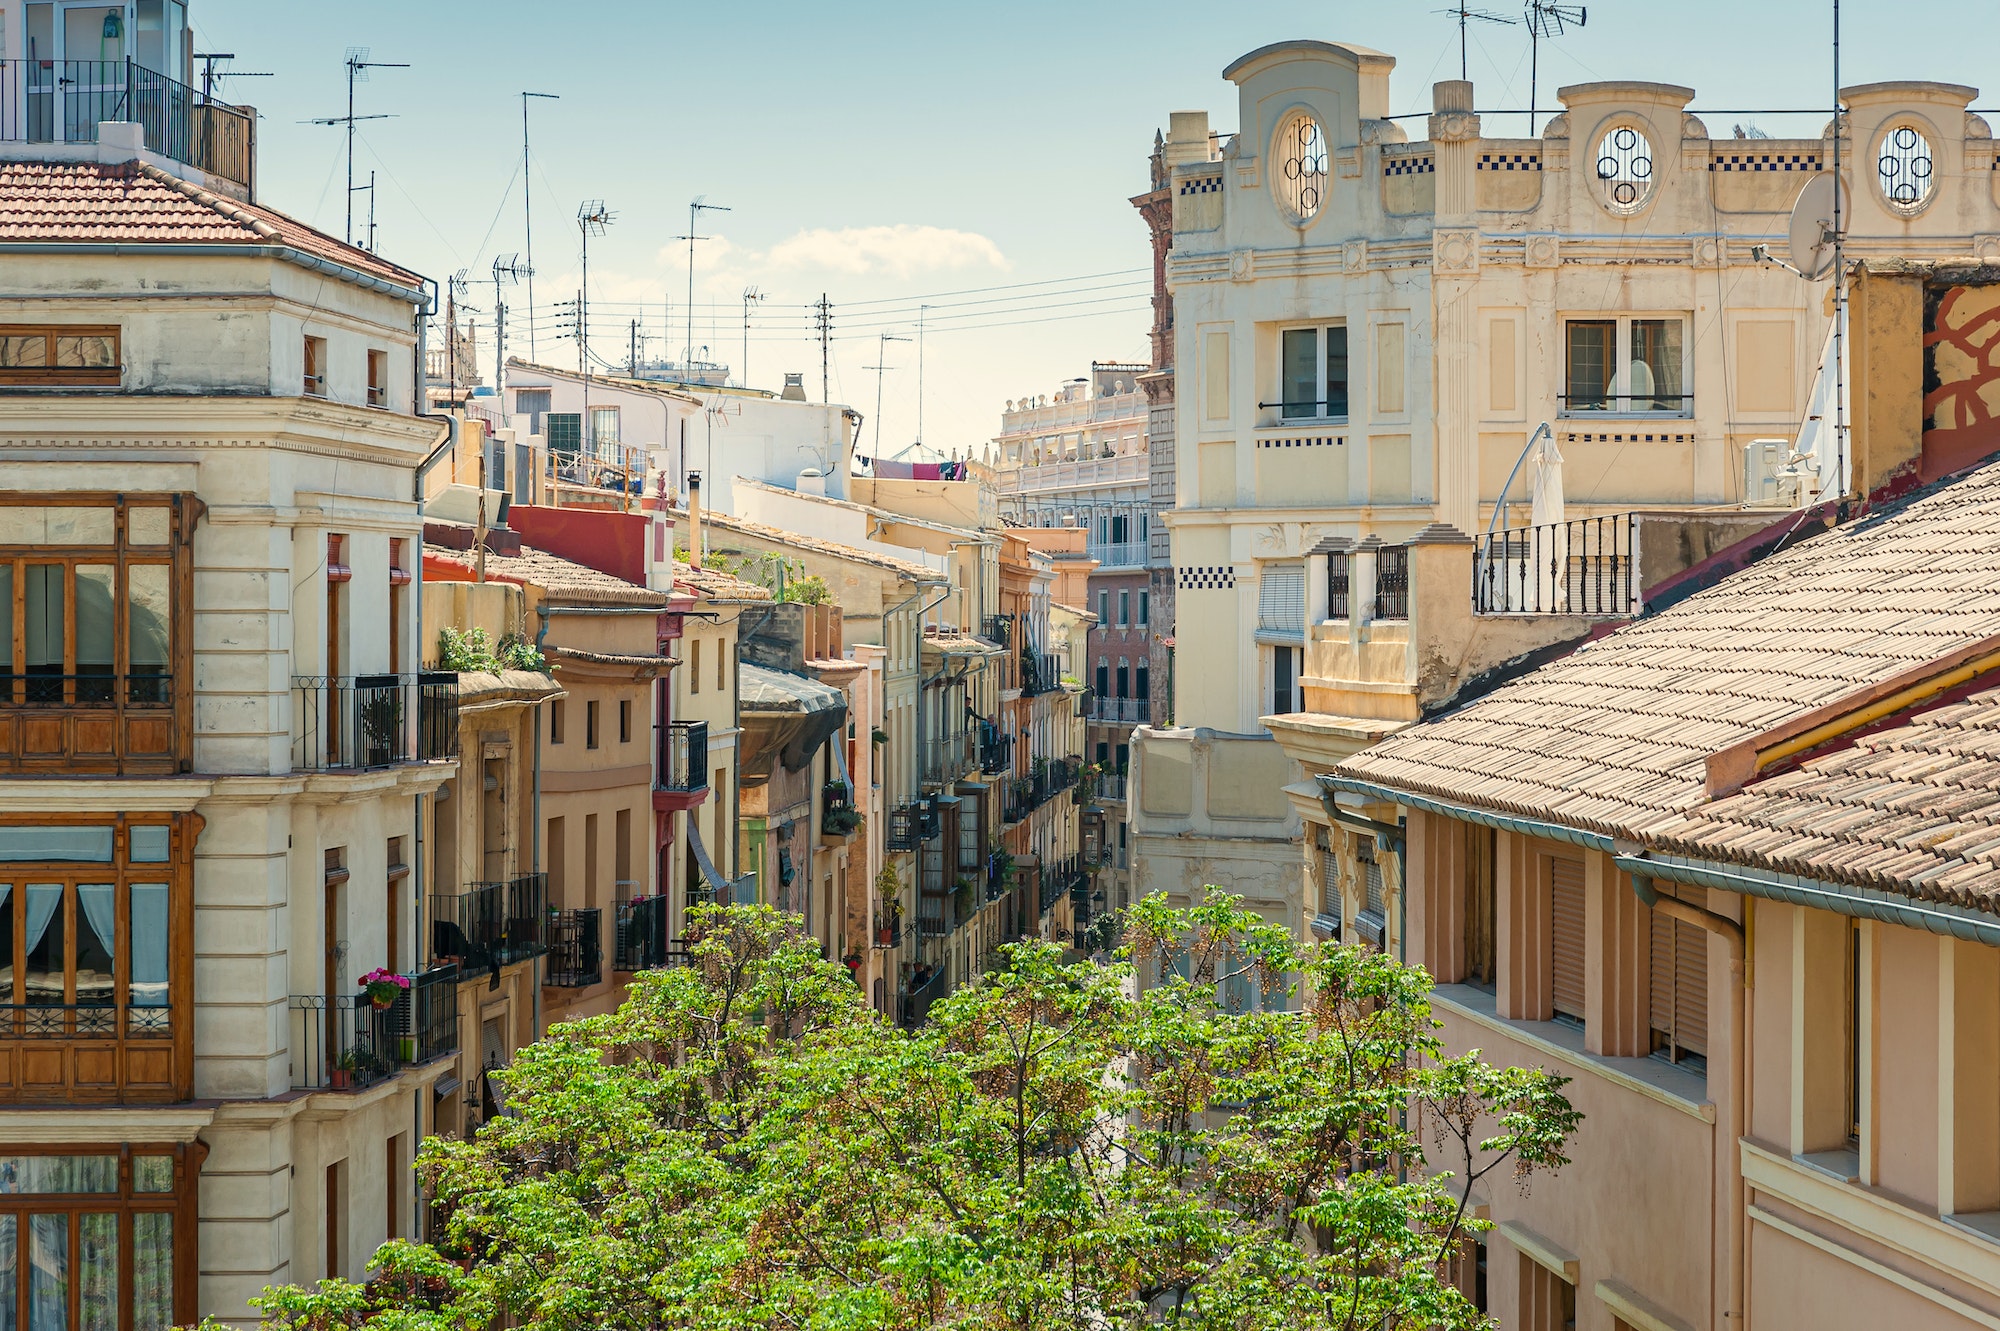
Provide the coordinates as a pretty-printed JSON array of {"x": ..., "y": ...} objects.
[
  {"x": 1723, "y": 868},
  {"x": 1370, "y": 330},
  {"x": 218, "y": 743}
]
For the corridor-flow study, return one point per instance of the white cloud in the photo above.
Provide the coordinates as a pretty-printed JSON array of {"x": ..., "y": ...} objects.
[{"x": 903, "y": 250}]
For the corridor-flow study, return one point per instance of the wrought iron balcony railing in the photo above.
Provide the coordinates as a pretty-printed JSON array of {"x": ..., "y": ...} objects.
[
  {"x": 641, "y": 943},
  {"x": 576, "y": 948},
  {"x": 682, "y": 757},
  {"x": 359, "y": 722},
  {"x": 1041, "y": 672},
  {"x": 910, "y": 825},
  {"x": 1121, "y": 711},
  {"x": 490, "y": 924},
  {"x": 996, "y": 749},
  {"x": 1584, "y": 567},
  {"x": 947, "y": 757},
  {"x": 997, "y": 628},
  {"x": 343, "y": 1042},
  {"x": 62, "y": 101}
]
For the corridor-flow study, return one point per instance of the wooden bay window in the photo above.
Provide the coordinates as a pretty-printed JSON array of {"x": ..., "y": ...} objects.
[{"x": 98, "y": 1238}]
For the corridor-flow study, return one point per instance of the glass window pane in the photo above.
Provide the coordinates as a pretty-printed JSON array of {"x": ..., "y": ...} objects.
[
  {"x": 10, "y": 1272},
  {"x": 97, "y": 1271},
  {"x": 96, "y": 943},
  {"x": 147, "y": 629},
  {"x": 1336, "y": 371},
  {"x": 23, "y": 351},
  {"x": 88, "y": 351},
  {"x": 48, "y": 1273},
  {"x": 1301, "y": 373},
  {"x": 1590, "y": 364},
  {"x": 148, "y": 524},
  {"x": 152, "y": 1173},
  {"x": 149, "y": 842},
  {"x": 149, "y": 945},
  {"x": 96, "y": 631},
  {"x": 46, "y": 596},
  {"x": 1655, "y": 370},
  {"x": 152, "y": 1271},
  {"x": 58, "y": 1173},
  {"x": 46, "y": 969},
  {"x": 55, "y": 845},
  {"x": 7, "y": 995}
]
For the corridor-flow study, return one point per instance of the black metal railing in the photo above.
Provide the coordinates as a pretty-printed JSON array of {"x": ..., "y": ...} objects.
[
  {"x": 84, "y": 1021},
  {"x": 490, "y": 924},
  {"x": 947, "y": 757},
  {"x": 1063, "y": 877},
  {"x": 682, "y": 756},
  {"x": 996, "y": 749},
  {"x": 1670, "y": 404},
  {"x": 87, "y": 689},
  {"x": 1121, "y": 711},
  {"x": 1392, "y": 582},
  {"x": 357, "y": 722},
  {"x": 933, "y": 916},
  {"x": 341, "y": 1042},
  {"x": 997, "y": 628},
  {"x": 1583, "y": 567},
  {"x": 887, "y": 935},
  {"x": 910, "y": 825},
  {"x": 1111, "y": 785},
  {"x": 917, "y": 1001},
  {"x": 1041, "y": 672},
  {"x": 426, "y": 1016},
  {"x": 641, "y": 942},
  {"x": 576, "y": 948},
  {"x": 437, "y": 715},
  {"x": 63, "y": 101},
  {"x": 1339, "y": 582}
]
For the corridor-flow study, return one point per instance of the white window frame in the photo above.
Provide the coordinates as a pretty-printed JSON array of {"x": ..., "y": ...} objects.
[
  {"x": 1621, "y": 386},
  {"x": 1319, "y": 415}
]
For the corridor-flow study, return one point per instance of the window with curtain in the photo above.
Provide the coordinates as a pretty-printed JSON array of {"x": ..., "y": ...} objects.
[
  {"x": 1626, "y": 365},
  {"x": 89, "y": 915},
  {"x": 89, "y": 1238}
]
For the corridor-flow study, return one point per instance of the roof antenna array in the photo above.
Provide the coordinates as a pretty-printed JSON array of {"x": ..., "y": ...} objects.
[
  {"x": 1545, "y": 18},
  {"x": 1464, "y": 13}
]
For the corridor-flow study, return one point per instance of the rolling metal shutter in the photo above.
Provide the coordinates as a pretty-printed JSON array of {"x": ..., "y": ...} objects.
[
  {"x": 1680, "y": 980},
  {"x": 1566, "y": 927}
]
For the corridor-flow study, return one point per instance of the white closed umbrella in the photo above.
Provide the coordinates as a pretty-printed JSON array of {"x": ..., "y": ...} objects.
[{"x": 1548, "y": 544}]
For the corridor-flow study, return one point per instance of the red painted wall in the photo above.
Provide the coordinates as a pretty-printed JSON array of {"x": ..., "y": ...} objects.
[{"x": 613, "y": 543}]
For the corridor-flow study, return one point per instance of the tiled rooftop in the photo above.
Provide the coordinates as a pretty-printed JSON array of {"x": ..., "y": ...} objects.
[
  {"x": 135, "y": 203},
  {"x": 559, "y": 578},
  {"x": 1615, "y": 737},
  {"x": 715, "y": 585},
  {"x": 1914, "y": 808},
  {"x": 775, "y": 537}
]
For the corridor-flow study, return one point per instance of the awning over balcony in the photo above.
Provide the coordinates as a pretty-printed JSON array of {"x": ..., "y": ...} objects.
[
  {"x": 710, "y": 874},
  {"x": 785, "y": 719},
  {"x": 960, "y": 645}
]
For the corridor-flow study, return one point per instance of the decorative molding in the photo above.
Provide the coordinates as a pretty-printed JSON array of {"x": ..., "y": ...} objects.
[
  {"x": 1354, "y": 255},
  {"x": 1206, "y": 578},
  {"x": 1986, "y": 248},
  {"x": 1710, "y": 252},
  {"x": 1242, "y": 265},
  {"x": 1300, "y": 440},
  {"x": 1455, "y": 250},
  {"x": 1542, "y": 252},
  {"x": 1453, "y": 126},
  {"x": 1347, "y": 163}
]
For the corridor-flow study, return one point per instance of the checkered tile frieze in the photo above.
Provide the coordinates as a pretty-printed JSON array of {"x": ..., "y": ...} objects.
[
  {"x": 1303, "y": 441},
  {"x": 1201, "y": 185},
  {"x": 1409, "y": 166},
  {"x": 1207, "y": 578},
  {"x": 1764, "y": 162},
  {"x": 1628, "y": 438},
  {"x": 1510, "y": 162}
]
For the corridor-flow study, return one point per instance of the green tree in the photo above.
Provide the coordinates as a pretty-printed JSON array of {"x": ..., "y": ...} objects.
[{"x": 743, "y": 1145}]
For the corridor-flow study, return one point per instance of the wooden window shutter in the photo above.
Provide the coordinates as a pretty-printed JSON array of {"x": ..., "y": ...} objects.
[
  {"x": 1680, "y": 980},
  {"x": 1566, "y": 925},
  {"x": 1371, "y": 875},
  {"x": 1479, "y": 905}
]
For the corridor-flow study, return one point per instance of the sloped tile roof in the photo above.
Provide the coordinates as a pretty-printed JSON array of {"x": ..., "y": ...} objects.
[
  {"x": 769, "y": 536},
  {"x": 130, "y": 203},
  {"x": 560, "y": 579},
  {"x": 1912, "y": 809},
  {"x": 715, "y": 585},
  {"x": 1614, "y": 737}
]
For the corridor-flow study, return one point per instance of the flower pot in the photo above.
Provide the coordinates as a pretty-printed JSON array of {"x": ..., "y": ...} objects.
[
  {"x": 342, "y": 1079},
  {"x": 885, "y": 936}
]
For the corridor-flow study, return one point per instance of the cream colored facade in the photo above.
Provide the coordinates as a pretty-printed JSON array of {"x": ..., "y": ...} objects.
[
  {"x": 292, "y": 795},
  {"x": 1466, "y": 283}
]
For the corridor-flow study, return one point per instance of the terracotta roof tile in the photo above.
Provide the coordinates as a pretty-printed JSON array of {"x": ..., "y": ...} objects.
[
  {"x": 136, "y": 203},
  {"x": 559, "y": 579}
]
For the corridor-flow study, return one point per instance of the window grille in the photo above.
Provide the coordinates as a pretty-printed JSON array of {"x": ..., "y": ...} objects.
[
  {"x": 1904, "y": 169},
  {"x": 1301, "y": 155},
  {"x": 1339, "y": 571},
  {"x": 1392, "y": 582},
  {"x": 1625, "y": 165}
]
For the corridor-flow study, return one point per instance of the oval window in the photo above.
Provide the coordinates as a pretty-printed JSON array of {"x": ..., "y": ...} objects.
[
  {"x": 1301, "y": 176},
  {"x": 1625, "y": 169},
  {"x": 1904, "y": 168}
]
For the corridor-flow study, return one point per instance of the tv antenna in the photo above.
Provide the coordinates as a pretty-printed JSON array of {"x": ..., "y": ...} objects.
[
  {"x": 357, "y": 65},
  {"x": 1545, "y": 18},
  {"x": 210, "y": 75},
  {"x": 881, "y": 364},
  {"x": 591, "y": 219},
  {"x": 696, "y": 206},
  {"x": 506, "y": 268},
  {"x": 751, "y": 296},
  {"x": 1464, "y": 13}
]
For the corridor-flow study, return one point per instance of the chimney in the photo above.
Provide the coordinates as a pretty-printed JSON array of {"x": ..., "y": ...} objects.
[
  {"x": 694, "y": 518},
  {"x": 795, "y": 388}
]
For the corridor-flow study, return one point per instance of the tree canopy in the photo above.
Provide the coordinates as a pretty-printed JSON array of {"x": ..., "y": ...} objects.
[{"x": 1267, "y": 1137}]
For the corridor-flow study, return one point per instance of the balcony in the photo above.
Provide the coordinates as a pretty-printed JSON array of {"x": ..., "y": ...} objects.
[
  {"x": 910, "y": 825},
  {"x": 51, "y": 101},
  {"x": 359, "y": 723},
  {"x": 1065, "y": 877},
  {"x": 680, "y": 764},
  {"x": 641, "y": 942},
  {"x": 343, "y": 1042},
  {"x": 998, "y": 629},
  {"x": 946, "y": 758},
  {"x": 131, "y": 725},
  {"x": 1041, "y": 672},
  {"x": 1029, "y": 477},
  {"x": 1121, "y": 711},
  {"x": 1116, "y": 554},
  {"x": 576, "y": 949},
  {"x": 1111, "y": 786},
  {"x": 490, "y": 924},
  {"x": 1584, "y": 567}
]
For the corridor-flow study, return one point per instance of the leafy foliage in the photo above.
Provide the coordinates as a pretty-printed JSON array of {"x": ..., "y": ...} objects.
[
  {"x": 474, "y": 650},
  {"x": 743, "y": 1145}
]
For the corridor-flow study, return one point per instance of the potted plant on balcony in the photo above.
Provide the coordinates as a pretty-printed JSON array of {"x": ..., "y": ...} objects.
[
  {"x": 839, "y": 824},
  {"x": 384, "y": 987},
  {"x": 341, "y": 1075},
  {"x": 381, "y": 714}
]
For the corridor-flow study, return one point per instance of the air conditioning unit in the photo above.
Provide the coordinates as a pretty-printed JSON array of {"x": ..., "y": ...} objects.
[{"x": 1768, "y": 482}]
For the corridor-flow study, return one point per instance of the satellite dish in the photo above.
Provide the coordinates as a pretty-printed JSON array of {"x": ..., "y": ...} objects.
[{"x": 1812, "y": 226}]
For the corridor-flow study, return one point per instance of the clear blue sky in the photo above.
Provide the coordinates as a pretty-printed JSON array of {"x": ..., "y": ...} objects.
[{"x": 888, "y": 153}]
